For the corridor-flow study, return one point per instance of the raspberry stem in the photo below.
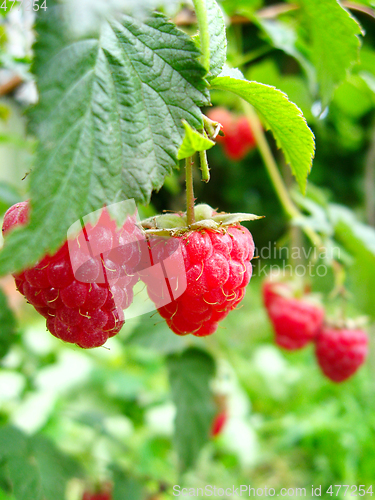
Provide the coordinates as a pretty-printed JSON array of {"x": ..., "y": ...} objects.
[
  {"x": 205, "y": 169},
  {"x": 201, "y": 13},
  {"x": 189, "y": 191}
]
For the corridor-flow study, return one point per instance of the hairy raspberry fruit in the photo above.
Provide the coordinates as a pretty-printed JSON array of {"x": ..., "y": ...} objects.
[
  {"x": 341, "y": 351},
  {"x": 83, "y": 288},
  {"x": 296, "y": 322},
  {"x": 238, "y": 137},
  {"x": 211, "y": 267}
]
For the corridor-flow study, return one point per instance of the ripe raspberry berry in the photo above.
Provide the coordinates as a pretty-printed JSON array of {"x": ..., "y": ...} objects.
[
  {"x": 219, "y": 422},
  {"x": 238, "y": 137},
  {"x": 215, "y": 267},
  {"x": 16, "y": 215},
  {"x": 341, "y": 351},
  {"x": 296, "y": 322},
  {"x": 81, "y": 294},
  {"x": 103, "y": 495},
  {"x": 245, "y": 132}
]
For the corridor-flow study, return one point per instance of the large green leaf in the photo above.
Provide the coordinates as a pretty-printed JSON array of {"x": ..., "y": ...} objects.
[
  {"x": 190, "y": 374},
  {"x": 282, "y": 117},
  {"x": 109, "y": 121},
  {"x": 335, "y": 44},
  {"x": 7, "y": 326}
]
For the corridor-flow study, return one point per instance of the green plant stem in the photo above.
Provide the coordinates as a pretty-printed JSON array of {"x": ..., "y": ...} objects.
[
  {"x": 251, "y": 56},
  {"x": 277, "y": 181},
  {"x": 210, "y": 128},
  {"x": 203, "y": 163},
  {"x": 189, "y": 191},
  {"x": 204, "y": 166},
  {"x": 201, "y": 13}
]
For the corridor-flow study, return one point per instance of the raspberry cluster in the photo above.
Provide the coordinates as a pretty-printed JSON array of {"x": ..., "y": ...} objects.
[
  {"x": 83, "y": 288},
  {"x": 238, "y": 137},
  {"x": 340, "y": 350},
  {"x": 194, "y": 277},
  {"x": 217, "y": 268}
]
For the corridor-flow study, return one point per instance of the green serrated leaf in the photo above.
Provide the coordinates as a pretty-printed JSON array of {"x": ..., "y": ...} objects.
[
  {"x": 282, "y": 117},
  {"x": 218, "y": 39},
  {"x": 193, "y": 142},
  {"x": 335, "y": 43},
  {"x": 7, "y": 326},
  {"x": 109, "y": 121},
  {"x": 232, "y": 73},
  {"x": 190, "y": 374}
]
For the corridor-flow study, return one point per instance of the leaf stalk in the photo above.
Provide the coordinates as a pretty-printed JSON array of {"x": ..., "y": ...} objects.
[{"x": 201, "y": 13}]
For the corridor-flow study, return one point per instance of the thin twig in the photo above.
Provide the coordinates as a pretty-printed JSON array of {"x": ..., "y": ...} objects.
[{"x": 189, "y": 191}]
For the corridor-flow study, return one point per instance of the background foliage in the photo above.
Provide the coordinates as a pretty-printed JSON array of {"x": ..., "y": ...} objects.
[{"x": 138, "y": 414}]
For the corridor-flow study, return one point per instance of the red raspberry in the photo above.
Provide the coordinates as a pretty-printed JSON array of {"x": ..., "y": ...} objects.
[
  {"x": 219, "y": 422},
  {"x": 238, "y": 137},
  {"x": 217, "y": 268},
  {"x": 245, "y": 132},
  {"x": 18, "y": 214},
  {"x": 104, "y": 495},
  {"x": 296, "y": 322},
  {"x": 272, "y": 290},
  {"x": 341, "y": 351},
  {"x": 62, "y": 286}
]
